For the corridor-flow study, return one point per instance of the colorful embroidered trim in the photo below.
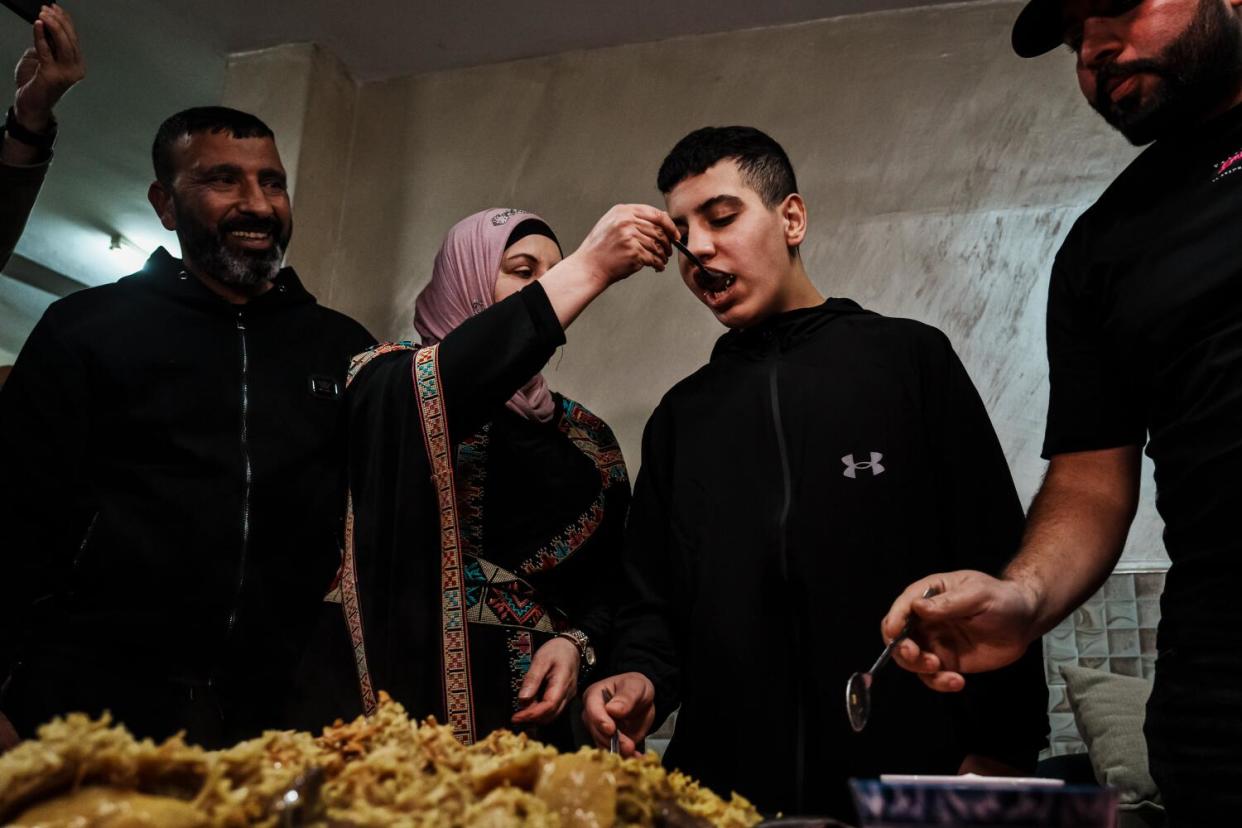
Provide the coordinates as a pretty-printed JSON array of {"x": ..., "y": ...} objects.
[
  {"x": 568, "y": 541},
  {"x": 494, "y": 595},
  {"x": 593, "y": 438},
  {"x": 345, "y": 587},
  {"x": 521, "y": 648},
  {"x": 455, "y": 646},
  {"x": 497, "y": 597},
  {"x": 471, "y": 480},
  {"x": 361, "y": 360},
  {"x": 596, "y": 440},
  {"x": 353, "y": 613}
]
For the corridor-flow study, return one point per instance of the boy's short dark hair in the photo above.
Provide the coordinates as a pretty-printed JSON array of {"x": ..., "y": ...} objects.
[
  {"x": 200, "y": 119},
  {"x": 764, "y": 165}
]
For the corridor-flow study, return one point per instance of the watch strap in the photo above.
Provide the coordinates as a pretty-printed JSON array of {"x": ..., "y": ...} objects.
[
  {"x": 583, "y": 642},
  {"x": 15, "y": 130}
]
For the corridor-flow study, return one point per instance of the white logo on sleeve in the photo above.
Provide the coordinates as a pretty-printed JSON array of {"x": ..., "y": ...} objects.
[{"x": 852, "y": 468}]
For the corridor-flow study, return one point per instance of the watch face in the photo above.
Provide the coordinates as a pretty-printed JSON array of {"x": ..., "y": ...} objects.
[{"x": 589, "y": 656}]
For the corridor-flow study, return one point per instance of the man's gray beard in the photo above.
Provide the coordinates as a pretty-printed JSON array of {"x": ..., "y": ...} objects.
[
  {"x": 207, "y": 248},
  {"x": 241, "y": 270}
]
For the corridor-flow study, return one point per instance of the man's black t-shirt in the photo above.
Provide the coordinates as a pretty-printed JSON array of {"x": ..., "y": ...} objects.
[{"x": 1145, "y": 341}]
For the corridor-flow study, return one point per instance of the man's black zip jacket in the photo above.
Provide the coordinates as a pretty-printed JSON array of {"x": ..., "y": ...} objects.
[
  {"x": 170, "y": 502},
  {"x": 790, "y": 489}
]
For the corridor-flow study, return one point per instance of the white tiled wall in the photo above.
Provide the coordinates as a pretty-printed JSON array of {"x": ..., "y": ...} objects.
[{"x": 1115, "y": 630}]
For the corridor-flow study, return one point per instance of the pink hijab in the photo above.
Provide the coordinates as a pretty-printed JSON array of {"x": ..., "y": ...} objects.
[{"x": 463, "y": 283}]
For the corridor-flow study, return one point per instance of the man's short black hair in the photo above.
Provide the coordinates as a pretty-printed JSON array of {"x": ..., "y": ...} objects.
[
  {"x": 214, "y": 119},
  {"x": 765, "y": 166}
]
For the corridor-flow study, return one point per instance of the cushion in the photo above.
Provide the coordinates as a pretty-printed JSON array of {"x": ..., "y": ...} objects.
[{"x": 1109, "y": 710}]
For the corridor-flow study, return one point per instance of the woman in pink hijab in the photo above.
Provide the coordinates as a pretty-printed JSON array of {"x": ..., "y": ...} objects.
[
  {"x": 486, "y": 515},
  {"x": 483, "y": 259}
]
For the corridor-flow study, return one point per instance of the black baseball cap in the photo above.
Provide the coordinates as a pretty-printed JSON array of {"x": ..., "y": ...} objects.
[{"x": 1037, "y": 30}]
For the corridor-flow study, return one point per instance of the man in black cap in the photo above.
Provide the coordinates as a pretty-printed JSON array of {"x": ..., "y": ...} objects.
[{"x": 1145, "y": 348}]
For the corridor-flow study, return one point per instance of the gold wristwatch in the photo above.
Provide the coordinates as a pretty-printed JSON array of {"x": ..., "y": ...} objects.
[{"x": 586, "y": 651}]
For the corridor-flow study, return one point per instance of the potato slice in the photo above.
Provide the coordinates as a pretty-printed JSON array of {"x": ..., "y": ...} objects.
[
  {"x": 104, "y": 807},
  {"x": 580, "y": 789}
]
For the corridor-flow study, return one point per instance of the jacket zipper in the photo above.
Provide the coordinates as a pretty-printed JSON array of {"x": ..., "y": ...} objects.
[
  {"x": 783, "y": 552},
  {"x": 86, "y": 538},
  {"x": 245, "y": 514},
  {"x": 785, "y": 475}
]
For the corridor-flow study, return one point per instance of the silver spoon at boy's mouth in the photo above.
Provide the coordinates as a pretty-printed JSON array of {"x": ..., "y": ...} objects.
[
  {"x": 858, "y": 688},
  {"x": 710, "y": 280}
]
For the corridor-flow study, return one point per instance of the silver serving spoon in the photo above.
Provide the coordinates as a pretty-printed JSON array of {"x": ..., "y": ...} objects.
[
  {"x": 858, "y": 688},
  {"x": 295, "y": 803},
  {"x": 614, "y": 744},
  {"x": 710, "y": 280}
]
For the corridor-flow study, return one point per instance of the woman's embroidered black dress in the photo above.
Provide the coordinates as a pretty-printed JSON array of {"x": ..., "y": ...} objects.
[{"x": 540, "y": 512}]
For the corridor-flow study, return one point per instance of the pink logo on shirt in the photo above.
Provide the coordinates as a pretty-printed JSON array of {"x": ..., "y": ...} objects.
[{"x": 1229, "y": 165}]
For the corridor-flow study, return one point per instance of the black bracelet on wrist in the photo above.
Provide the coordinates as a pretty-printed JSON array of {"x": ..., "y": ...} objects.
[{"x": 39, "y": 140}]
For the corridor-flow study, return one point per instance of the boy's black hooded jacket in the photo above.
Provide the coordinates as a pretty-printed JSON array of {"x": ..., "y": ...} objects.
[{"x": 790, "y": 489}]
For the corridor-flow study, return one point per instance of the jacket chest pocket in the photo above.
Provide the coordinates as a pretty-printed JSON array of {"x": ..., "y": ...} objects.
[
  {"x": 162, "y": 413},
  {"x": 155, "y": 392}
]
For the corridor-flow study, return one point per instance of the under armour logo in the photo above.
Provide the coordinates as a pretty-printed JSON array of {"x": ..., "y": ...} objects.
[{"x": 851, "y": 468}]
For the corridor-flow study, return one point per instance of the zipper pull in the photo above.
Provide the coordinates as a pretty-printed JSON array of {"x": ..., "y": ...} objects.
[
  {"x": 241, "y": 321},
  {"x": 770, "y": 343}
]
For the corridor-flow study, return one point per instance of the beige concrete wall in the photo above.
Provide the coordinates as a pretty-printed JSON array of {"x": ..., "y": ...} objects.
[
  {"x": 307, "y": 97},
  {"x": 274, "y": 84},
  {"x": 941, "y": 173},
  {"x": 20, "y": 308}
]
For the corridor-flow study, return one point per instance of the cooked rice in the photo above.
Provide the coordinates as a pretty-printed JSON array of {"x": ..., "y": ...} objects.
[{"x": 384, "y": 770}]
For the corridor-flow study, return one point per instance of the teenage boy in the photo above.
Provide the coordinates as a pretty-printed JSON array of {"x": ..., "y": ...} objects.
[{"x": 787, "y": 488}]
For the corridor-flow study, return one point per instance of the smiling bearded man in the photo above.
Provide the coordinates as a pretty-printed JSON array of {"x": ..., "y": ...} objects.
[
  {"x": 244, "y": 252},
  {"x": 787, "y": 486},
  {"x": 224, "y": 193},
  {"x": 171, "y": 501}
]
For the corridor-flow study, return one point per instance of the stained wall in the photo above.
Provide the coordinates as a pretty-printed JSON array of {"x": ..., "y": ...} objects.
[{"x": 941, "y": 173}]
